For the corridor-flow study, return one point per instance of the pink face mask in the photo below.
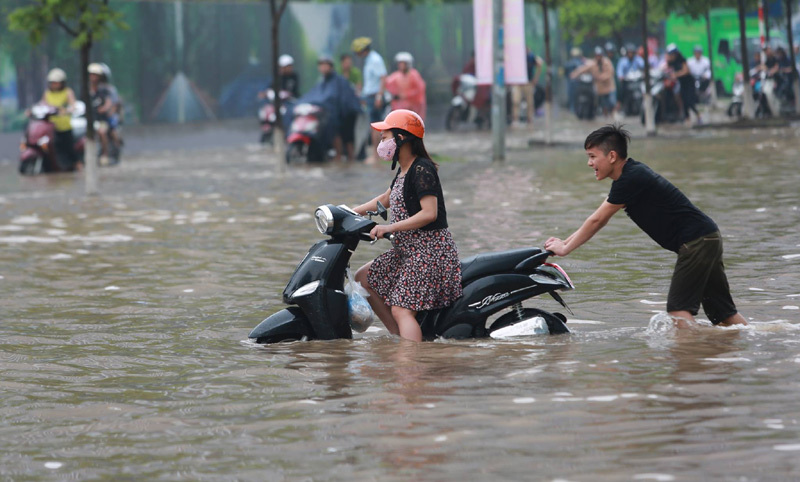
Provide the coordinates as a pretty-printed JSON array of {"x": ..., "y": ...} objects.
[{"x": 386, "y": 149}]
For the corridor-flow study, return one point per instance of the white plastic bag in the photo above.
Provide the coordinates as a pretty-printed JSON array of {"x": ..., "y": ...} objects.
[{"x": 361, "y": 314}]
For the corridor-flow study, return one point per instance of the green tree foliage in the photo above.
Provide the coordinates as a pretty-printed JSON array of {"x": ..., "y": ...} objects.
[
  {"x": 84, "y": 20},
  {"x": 581, "y": 19}
]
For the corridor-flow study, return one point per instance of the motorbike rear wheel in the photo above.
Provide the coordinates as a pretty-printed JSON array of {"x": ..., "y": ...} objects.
[
  {"x": 296, "y": 153},
  {"x": 453, "y": 119},
  {"x": 555, "y": 321}
]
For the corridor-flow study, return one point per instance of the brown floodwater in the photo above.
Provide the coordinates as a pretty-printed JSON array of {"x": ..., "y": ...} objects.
[{"x": 123, "y": 337}]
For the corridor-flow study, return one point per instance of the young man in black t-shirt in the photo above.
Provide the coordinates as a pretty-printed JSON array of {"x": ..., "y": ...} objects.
[{"x": 666, "y": 215}]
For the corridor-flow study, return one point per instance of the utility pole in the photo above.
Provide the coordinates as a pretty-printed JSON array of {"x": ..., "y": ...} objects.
[
  {"x": 548, "y": 89},
  {"x": 748, "y": 108},
  {"x": 498, "y": 85},
  {"x": 790, "y": 38},
  {"x": 649, "y": 115}
]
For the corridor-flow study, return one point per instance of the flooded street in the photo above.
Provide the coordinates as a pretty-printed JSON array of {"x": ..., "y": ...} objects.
[{"x": 125, "y": 318}]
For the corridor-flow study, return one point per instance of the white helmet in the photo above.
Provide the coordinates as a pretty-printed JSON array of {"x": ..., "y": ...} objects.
[
  {"x": 95, "y": 68},
  {"x": 404, "y": 57},
  {"x": 56, "y": 75},
  {"x": 106, "y": 70},
  {"x": 285, "y": 60}
]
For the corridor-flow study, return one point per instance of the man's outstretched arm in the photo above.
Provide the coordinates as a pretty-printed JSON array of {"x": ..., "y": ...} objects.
[{"x": 589, "y": 228}]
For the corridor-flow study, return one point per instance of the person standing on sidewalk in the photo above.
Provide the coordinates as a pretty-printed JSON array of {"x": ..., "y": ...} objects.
[
  {"x": 669, "y": 218},
  {"x": 534, "y": 66},
  {"x": 374, "y": 85}
]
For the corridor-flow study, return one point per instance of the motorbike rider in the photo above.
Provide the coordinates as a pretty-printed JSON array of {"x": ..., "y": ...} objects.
[
  {"x": 115, "y": 116},
  {"x": 290, "y": 82},
  {"x": 700, "y": 67},
  {"x": 602, "y": 71},
  {"x": 669, "y": 218},
  {"x": 103, "y": 107},
  {"x": 407, "y": 86},
  {"x": 374, "y": 84},
  {"x": 681, "y": 73},
  {"x": 422, "y": 271},
  {"x": 630, "y": 62},
  {"x": 341, "y": 107},
  {"x": 61, "y": 97}
]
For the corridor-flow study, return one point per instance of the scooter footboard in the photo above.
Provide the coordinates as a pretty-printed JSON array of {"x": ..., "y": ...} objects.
[
  {"x": 466, "y": 318},
  {"x": 286, "y": 325}
]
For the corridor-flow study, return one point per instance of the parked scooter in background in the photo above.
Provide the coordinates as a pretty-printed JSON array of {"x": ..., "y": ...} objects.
[
  {"x": 585, "y": 99},
  {"x": 632, "y": 87},
  {"x": 37, "y": 149},
  {"x": 305, "y": 140},
  {"x": 735, "y": 107},
  {"x": 771, "y": 95},
  {"x": 665, "y": 106},
  {"x": 464, "y": 107},
  {"x": 703, "y": 87},
  {"x": 267, "y": 116}
]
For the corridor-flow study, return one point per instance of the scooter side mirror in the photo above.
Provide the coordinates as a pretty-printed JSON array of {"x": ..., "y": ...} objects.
[{"x": 382, "y": 212}]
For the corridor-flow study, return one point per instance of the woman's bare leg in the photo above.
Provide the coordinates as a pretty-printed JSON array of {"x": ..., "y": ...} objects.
[
  {"x": 376, "y": 302},
  {"x": 407, "y": 323}
]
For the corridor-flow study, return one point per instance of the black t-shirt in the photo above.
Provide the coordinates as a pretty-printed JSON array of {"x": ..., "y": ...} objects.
[
  {"x": 291, "y": 83},
  {"x": 676, "y": 65},
  {"x": 659, "y": 208},
  {"x": 98, "y": 98},
  {"x": 422, "y": 180}
]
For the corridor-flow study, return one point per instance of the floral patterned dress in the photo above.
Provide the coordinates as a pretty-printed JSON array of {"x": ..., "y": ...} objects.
[{"x": 422, "y": 270}]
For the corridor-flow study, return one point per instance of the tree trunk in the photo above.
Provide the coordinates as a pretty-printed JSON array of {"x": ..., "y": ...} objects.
[
  {"x": 90, "y": 149},
  {"x": 278, "y": 134},
  {"x": 790, "y": 39},
  {"x": 713, "y": 83},
  {"x": 748, "y": 108},
  {"x": 649, "y": 115},
  {"x": 548, "y": 86}
]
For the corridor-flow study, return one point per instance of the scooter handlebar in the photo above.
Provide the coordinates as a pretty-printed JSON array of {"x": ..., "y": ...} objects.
[{"x": 389, "y": 236}]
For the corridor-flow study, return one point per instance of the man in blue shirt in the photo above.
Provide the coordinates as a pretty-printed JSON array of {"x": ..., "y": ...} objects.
[
  {"x": 630, "y": 62},
  {"x": 372, "y": 91}
]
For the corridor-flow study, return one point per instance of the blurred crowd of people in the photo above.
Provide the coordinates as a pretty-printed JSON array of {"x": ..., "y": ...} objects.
[
  {"x": 346, "y": 91},
  {"x": 107, "y": 109}
]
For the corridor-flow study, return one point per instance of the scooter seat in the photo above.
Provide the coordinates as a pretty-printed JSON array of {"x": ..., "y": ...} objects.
[{"x": 491, "y": 263}]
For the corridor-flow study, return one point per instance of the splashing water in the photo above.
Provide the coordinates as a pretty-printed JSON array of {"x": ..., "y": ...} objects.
[{"x": 661, "y": 324}]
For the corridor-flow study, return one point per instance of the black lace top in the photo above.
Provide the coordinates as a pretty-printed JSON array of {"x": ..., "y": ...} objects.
[{"x": 423, "y": 180}]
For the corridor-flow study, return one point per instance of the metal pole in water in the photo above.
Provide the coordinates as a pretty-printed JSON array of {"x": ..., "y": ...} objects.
[{"x": 498, "y": 85}]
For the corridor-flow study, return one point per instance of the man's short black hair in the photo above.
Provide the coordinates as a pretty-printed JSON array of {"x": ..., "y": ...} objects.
[
  {"x": 345, "y": 56},
  {"x": 609, "y": 138}
]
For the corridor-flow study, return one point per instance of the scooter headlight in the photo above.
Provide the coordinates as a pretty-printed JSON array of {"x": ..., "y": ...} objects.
[
  {"x": 305, "y": 289},
  {"x": 324, "y": 219}
]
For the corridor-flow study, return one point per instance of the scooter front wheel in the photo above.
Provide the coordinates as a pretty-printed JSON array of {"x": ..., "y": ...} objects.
[
  {"x": 555, "y": 321},
  {"x": 290, "y": 324},
  {"x": 31, "y": 167}
]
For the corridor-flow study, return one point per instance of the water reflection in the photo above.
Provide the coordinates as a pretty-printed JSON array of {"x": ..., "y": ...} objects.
[{"x": 123, "y": 318}]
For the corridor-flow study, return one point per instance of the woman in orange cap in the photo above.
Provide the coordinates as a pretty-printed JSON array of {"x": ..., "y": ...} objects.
[{"x": 422, "y": 271}]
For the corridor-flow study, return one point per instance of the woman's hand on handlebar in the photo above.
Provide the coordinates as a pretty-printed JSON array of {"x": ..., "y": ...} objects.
[{"x": 380, "y": 231}]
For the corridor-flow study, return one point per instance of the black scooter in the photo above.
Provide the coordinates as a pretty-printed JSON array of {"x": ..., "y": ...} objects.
[{"x": 492, "y": 282}]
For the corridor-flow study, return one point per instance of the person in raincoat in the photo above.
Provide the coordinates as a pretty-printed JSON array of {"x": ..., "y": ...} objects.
[
  {"x": 336, "y": 96},
  {"x": 407, "y": 86}
]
